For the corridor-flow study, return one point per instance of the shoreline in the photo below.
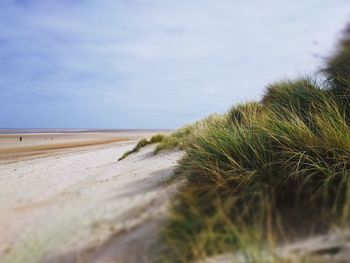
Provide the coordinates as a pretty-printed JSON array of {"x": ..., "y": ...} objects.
[
  {"x": 10, "y": 131},
  {"x": 7, "y": 158},
  {"x": 36, "y": 145}
]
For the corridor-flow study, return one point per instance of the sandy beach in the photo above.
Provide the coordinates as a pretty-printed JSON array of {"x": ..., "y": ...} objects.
[
  {"x": 81, "y": 204},
  {"x": 26, "y": 144}
]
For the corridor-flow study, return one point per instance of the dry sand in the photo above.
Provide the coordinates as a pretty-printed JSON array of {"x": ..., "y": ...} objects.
[
  {"x": 82, "y": 205},
  {"x": 328, "y": 248}
]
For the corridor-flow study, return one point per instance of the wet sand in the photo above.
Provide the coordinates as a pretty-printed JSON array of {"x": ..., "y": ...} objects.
[{"x": 42, "y": 143}]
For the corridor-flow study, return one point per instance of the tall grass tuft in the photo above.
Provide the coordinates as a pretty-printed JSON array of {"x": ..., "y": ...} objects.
[
  {"x": 245, "y": 113},
  {"x": 301, "y": 97}
]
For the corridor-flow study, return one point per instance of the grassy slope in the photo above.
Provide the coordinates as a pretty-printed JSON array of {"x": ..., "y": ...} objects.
[
  {"x": 256, "y": 174},
  {"x": 265, "y": 171}
]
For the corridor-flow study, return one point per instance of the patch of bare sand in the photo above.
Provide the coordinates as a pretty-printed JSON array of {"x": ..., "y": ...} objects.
[
  {"x": 333, "y": 247},
  {"x": 83, "y": 206}
]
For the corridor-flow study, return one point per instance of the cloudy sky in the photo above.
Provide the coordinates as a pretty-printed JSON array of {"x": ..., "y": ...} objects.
[{"x": 153, "y": 63}]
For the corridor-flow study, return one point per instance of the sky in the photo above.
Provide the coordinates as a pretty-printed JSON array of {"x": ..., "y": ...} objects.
[{"x": 153, "y": 63}]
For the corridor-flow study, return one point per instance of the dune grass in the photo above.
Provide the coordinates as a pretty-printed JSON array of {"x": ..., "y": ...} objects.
[
  {"x": 271, "y": 168},
  {"x": 181, "y": 138},
  {"x": 142, "y": 143},
  {"x": 178, "y": 140},
  {"x": 265, "y": 172}
]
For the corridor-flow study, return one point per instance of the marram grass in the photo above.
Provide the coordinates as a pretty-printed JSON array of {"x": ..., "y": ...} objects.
[
  {"x": 263, "y": 173},
  {"x": 142, "y": 143},
  {"x": 266, "y": 167}
]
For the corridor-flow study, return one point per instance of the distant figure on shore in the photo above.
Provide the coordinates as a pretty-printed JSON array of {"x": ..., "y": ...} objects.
[{"x": 20, "y": 138}]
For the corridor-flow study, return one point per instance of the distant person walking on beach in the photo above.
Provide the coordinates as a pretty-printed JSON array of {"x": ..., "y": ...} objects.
[{"x": 20, "y": 138}]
